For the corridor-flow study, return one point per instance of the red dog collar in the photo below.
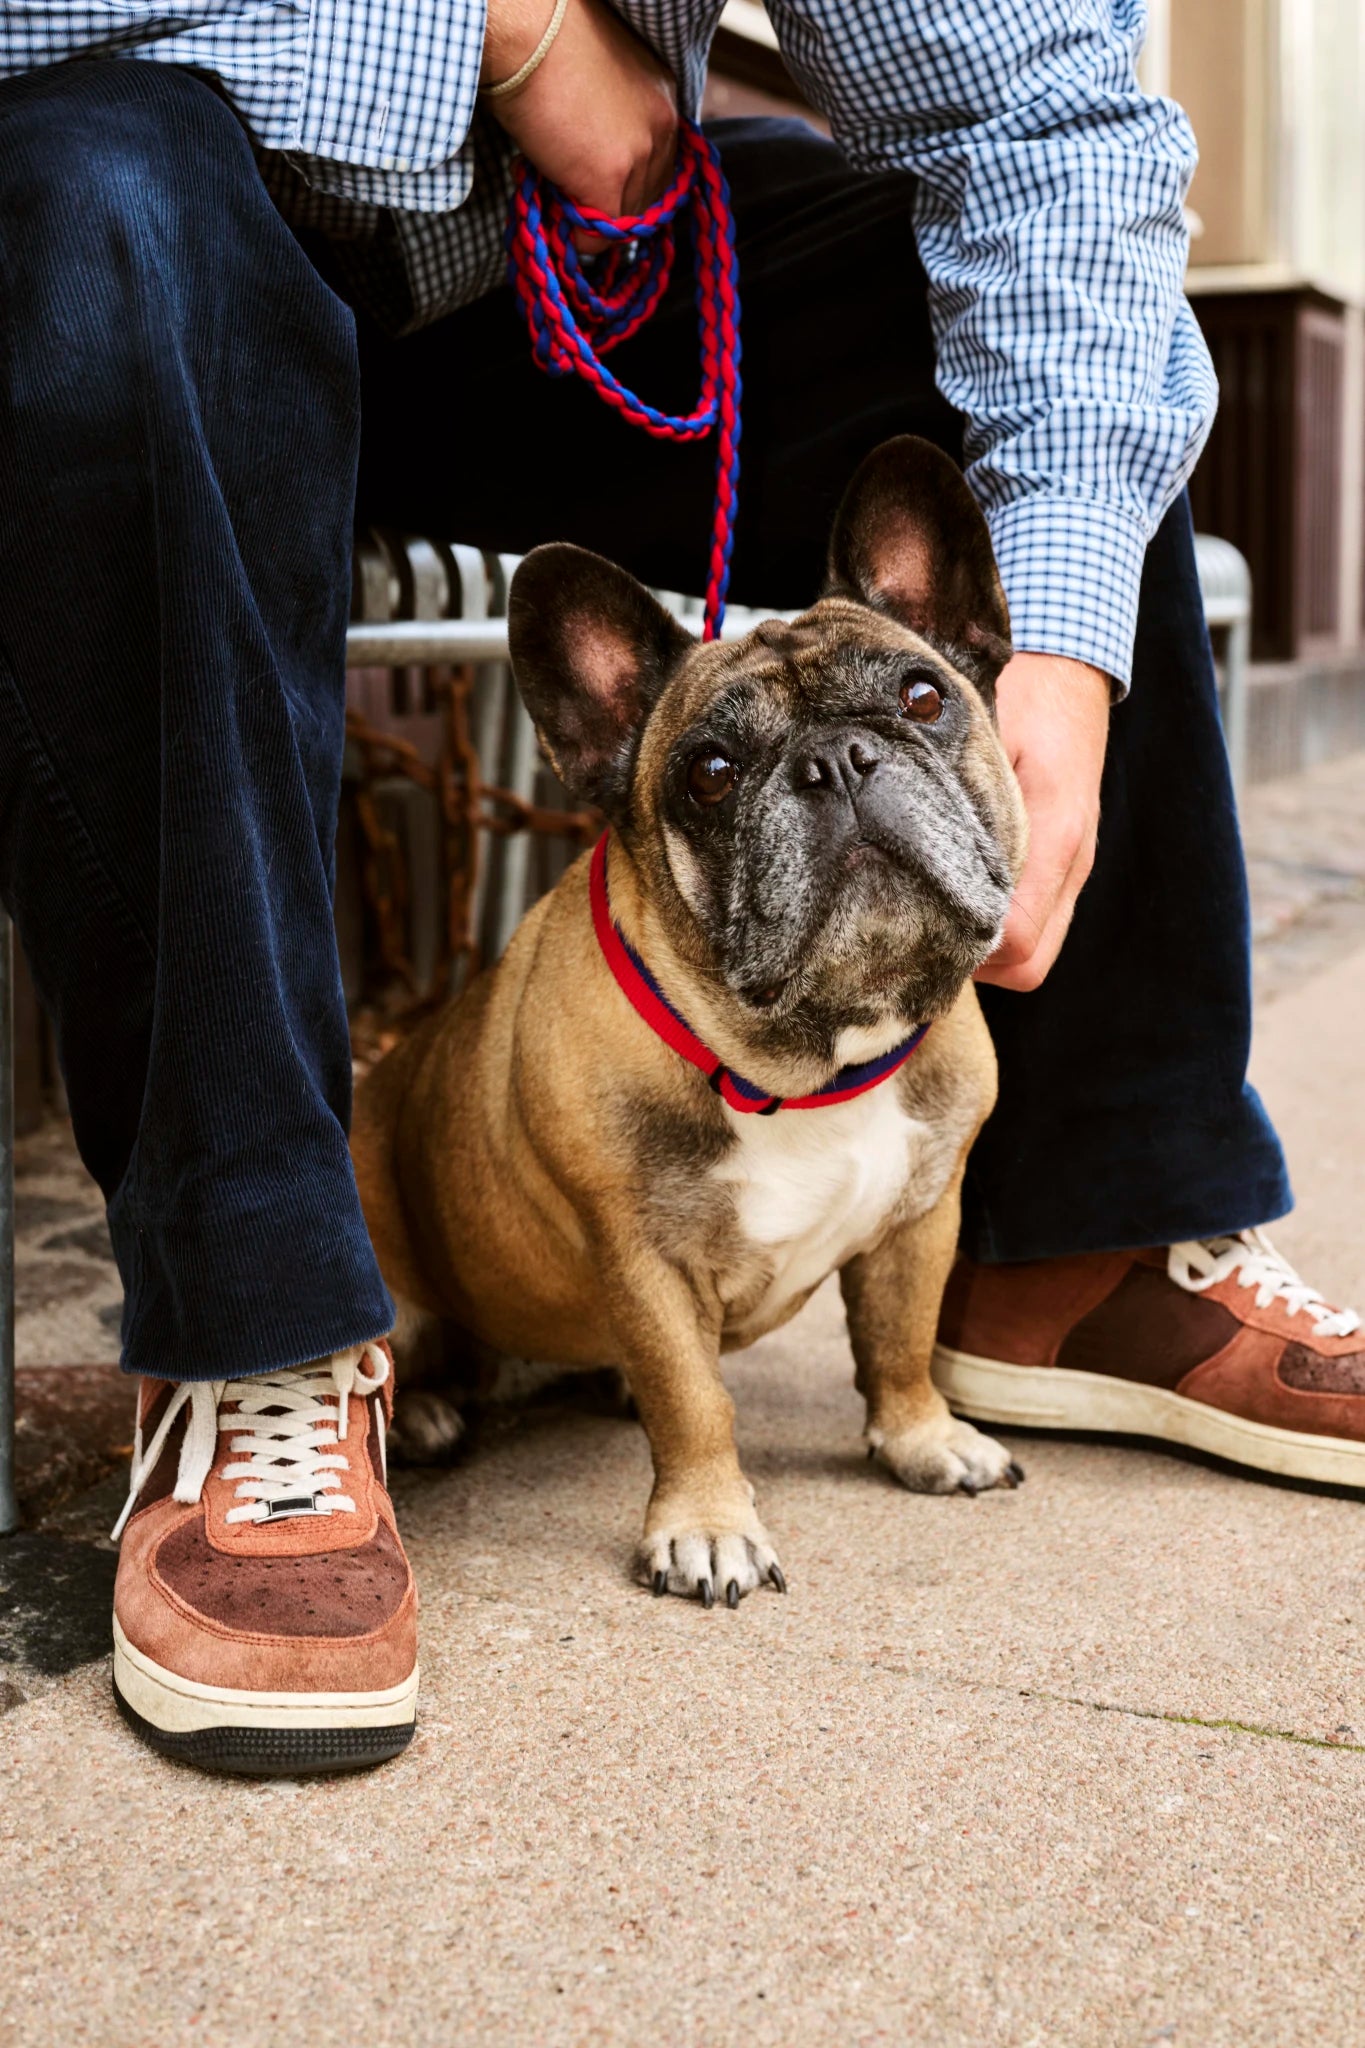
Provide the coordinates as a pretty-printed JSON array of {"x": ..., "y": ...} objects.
[{"x": 648, "y": 999}]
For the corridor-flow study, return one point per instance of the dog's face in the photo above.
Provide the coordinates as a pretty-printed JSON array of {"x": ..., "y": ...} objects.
[{"x": 822, "y": 811}]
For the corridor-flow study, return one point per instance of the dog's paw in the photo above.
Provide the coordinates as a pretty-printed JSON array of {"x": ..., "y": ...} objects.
[
  {"x": 679, "y": 1554},
  {"x": 944, "y": 1455},
  {"x": 425, "y": 1430}
]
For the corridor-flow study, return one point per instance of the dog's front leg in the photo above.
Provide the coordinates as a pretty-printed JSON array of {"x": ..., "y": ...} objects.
[
  {"x": 893, "y": 1295},
  {"x": 702, "y": 1534}
]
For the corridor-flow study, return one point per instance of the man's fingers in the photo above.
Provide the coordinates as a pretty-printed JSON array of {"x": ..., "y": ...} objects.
[
  {"x": 649, "y": 180},
  {"x": 1042, "y": 885},
  {"x": 1028, "y": 970},
  {"x": 1031, "y": 942},
  {"x": 1025, "y": 967},
  {"x": 1054, "y": 721},
  {"x": 641, "y": 186}
]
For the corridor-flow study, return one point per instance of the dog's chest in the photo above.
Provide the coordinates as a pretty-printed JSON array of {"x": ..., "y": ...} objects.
[{"x": 812, "y": 1187}]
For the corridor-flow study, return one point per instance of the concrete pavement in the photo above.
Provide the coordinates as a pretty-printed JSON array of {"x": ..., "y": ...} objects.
[
  {"x": 1308, "y": 1060},
  {"x": 1082, "y": 1764}
]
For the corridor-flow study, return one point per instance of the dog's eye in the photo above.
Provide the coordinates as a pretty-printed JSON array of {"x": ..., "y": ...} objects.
[
  {"x": 711, "y": 777},
  {"x": 921, "y": 701}
]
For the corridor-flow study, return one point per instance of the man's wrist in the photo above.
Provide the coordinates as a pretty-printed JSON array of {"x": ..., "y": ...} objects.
[
  {"x": 1028, "y": 664},
  {"x": 513, "y": 32},
  {"x": 1072, "y": 571},
  {"x": 504, "y": 89}
]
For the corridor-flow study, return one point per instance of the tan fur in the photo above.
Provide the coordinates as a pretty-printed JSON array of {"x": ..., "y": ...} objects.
[
  {"x": 543, "y": 1172},
  {"x": 503, "y": 1195}
]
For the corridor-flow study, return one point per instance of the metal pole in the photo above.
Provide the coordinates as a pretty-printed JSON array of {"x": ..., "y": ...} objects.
[
  {"x": 1235, "y": 721},
  {"x": 393, "y": 643},
  {"x": 9, "y": 1506},
  {"x": 1225, "y": 587}
]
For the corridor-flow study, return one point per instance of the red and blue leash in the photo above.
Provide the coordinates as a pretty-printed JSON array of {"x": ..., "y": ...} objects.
[
  {"x": 578, "y": 314},
  {"x": 576, "y": 317}
]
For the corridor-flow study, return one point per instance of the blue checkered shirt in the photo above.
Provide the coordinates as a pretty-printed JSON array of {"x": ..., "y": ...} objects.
[{"x": 1049, "y": 219}]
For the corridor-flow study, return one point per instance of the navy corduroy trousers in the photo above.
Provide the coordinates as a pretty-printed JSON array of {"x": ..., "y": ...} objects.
[{"x": 185, "y": 400}]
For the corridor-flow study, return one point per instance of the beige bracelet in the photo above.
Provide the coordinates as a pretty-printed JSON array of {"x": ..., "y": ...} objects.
[{"x": 533, "y": 62}]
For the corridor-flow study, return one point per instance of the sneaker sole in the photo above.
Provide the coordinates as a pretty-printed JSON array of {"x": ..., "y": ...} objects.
[
  {"x": 1054, "y": 1397},
  {"x": 260, "y": 1734}
]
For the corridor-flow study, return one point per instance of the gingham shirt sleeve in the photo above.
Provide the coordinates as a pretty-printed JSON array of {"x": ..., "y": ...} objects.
[
  {"x": 1050, "y": 223},
  {"x": 371, "y": 100}
]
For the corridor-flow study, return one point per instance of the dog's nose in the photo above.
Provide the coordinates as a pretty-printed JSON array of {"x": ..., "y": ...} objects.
[{"x": 836, "y": 766}]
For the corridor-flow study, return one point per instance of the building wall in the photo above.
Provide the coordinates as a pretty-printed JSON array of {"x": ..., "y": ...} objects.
[
  {"x": 1220, "y": 73},
  {"x": 1276, "y": 92},
  {"x": 1328, "y": 126}
]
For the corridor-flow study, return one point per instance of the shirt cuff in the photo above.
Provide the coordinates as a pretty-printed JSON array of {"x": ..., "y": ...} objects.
[{"x": 1072, "y": 571}]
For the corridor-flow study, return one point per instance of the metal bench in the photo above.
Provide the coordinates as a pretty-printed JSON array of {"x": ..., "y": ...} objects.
[
  {"x": 479, "y": 636},
  {"x": 1225, "y": 586}
]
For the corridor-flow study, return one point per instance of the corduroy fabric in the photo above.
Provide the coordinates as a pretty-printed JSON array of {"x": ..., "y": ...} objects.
[{"x": 178, "y": 416}]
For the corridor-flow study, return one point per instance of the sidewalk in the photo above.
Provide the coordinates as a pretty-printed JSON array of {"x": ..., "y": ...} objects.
[{"x": 1081, "y": 1765}]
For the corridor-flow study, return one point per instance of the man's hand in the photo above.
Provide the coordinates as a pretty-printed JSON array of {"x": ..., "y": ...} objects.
[
  {"x": 599, "y": 116},
  {"x": 1054, "y": 721}
]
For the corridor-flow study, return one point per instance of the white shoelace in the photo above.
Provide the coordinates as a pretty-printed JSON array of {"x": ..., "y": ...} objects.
[
  {"x": 286, "y": 1429},
  {"x": 1253, "y": 1259}
]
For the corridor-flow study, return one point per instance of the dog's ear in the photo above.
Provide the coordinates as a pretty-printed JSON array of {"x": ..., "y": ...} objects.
[
  {"x": 911, "y": 540},
  {"x": 592, "y": 651}
]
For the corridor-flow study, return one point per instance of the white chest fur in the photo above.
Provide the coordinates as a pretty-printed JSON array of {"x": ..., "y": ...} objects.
[{"x": 813, "y": 1187}]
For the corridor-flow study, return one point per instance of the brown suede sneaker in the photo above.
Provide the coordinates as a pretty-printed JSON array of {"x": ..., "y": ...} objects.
[
  {"x": 1217, "y": 1344},
  {"x": 265, "y": 1618}
]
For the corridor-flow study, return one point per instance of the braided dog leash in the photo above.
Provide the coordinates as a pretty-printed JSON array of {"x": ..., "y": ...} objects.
[{"x": 577, "y": 317}]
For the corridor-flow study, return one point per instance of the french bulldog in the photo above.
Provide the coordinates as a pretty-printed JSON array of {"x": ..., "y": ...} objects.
[{"x": 698, "y": 1082}]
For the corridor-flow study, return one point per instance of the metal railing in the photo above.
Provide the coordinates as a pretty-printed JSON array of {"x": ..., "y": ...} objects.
[
  {"x": 1225, "y": 586},
  {"x": 438, "y": 579},
  {"x": 461, "y": 825}
]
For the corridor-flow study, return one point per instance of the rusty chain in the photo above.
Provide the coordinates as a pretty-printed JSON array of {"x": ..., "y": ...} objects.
[{"x": 470, "y": 811}]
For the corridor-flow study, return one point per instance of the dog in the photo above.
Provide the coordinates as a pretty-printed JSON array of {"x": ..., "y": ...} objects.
[{"x": 597, "y": 1154}]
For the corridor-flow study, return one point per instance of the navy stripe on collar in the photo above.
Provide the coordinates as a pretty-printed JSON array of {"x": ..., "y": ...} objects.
[{"x": 648, "y": 999}]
